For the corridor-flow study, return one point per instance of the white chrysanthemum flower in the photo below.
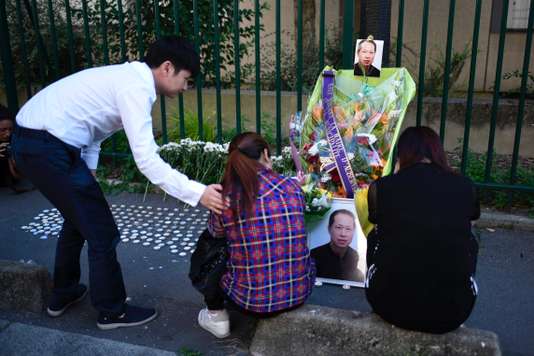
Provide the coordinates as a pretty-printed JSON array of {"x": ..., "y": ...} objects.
[
  {"x": 168, "y": 146},
  {"x": 323, "y": 201},
  {"x": 208, "y": 147},
  {"x": 213, "y": 147},
  {"x": 286, "y": 152},
  {"x": 370, "y": 137},
  {"x": 326, "y": 178}
]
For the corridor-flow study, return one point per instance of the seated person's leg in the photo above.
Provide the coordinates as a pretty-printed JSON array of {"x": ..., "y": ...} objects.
[{"x": 214, "y": 318}]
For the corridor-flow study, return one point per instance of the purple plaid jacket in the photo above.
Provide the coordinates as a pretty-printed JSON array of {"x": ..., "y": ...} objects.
[{"x": 269, "y": 268}]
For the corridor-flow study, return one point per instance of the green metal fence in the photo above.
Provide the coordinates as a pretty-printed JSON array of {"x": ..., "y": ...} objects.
[{"x": 66, "y": 36}]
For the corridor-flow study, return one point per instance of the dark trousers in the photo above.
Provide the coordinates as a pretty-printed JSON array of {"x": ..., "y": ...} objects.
[{"x": 59, "y": 172}]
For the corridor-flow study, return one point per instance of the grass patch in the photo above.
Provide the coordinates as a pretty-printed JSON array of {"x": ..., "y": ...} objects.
[{"x": 184, "y": 351}]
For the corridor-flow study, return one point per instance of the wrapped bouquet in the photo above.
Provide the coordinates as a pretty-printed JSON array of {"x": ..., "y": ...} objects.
[{"x": 343, "y": 142}]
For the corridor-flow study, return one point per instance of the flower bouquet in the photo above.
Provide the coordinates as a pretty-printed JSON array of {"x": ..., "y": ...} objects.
[
  {"x": 343, "y": 141},
  {"x": 318, "y": 202}
]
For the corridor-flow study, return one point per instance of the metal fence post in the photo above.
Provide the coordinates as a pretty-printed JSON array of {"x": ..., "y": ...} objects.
[{"x": 348, "y": 31}]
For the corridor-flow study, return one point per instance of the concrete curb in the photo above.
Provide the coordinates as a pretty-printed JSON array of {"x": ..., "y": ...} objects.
[
  {"x": 317, "y": 330},
  {"x": 504, "y": 221},
  {"x": 23, "y": 286},
  {"x": 30, "y": 340}
]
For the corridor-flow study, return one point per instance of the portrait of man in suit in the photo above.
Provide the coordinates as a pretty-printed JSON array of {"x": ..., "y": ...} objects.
[{"x": 338, "y": 258}]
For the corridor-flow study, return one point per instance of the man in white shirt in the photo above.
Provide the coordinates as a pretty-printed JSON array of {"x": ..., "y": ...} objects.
[{"x": 56, "y": 145}]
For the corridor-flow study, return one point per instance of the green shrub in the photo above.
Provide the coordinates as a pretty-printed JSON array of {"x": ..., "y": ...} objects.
[
  {"x": 476, "y": 170},
  {"x": 190, "y": 126}
]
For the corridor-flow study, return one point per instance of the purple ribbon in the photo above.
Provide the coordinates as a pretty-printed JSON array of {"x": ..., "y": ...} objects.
[
  {"x": 328, "y": 167},
  {"x": 334, "y": 137}
]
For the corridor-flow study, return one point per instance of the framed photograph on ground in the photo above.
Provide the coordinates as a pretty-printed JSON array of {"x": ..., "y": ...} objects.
[
  {"x": 338, "y": 245},
  {"x": 368, "y": 57}
]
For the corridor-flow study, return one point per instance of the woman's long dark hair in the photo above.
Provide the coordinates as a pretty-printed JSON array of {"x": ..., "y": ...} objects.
[
  {"x": 240, "y": 175},
  {"x": 417, "y": 143}
]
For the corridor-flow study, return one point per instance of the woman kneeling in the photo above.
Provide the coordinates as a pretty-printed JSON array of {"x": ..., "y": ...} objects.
[
  {"x": 269, "y": 268},
  {"x": 422, "y": 254}
]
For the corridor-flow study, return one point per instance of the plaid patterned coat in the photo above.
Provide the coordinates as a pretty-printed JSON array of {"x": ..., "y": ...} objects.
[{"x": 269, "y": 268}]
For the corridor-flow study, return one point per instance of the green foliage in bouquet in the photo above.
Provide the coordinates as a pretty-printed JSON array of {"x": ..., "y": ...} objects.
[
  {"x": 318, "y": 203},
  {"x": 284, "y": 164}
]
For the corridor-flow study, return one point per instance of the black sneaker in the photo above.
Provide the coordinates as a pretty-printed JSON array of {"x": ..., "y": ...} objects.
[
  {"x": 59, "y": 304},
  {"x": 132, "y": 316}
]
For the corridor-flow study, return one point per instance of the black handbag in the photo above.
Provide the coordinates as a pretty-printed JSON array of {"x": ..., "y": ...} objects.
[{"x": 208, "y": 263}]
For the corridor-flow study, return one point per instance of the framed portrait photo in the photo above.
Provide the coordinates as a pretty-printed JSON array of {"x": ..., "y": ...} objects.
[
  {"x": 368, "y": 57},
  {"x": 338, "y": 245}
]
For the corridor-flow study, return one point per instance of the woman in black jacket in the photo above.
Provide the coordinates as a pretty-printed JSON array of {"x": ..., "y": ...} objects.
[{"x": 422, "y": 254}]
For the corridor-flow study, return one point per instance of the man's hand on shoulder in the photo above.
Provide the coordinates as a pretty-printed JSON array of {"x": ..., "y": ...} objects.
[{"x": 212, "y": 198}]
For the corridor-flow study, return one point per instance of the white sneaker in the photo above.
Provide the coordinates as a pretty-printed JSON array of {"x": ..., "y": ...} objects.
[{"x": 217, "y": 323}]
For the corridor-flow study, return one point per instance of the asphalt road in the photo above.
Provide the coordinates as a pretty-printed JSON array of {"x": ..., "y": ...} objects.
[{"x": 158, "y": 276}]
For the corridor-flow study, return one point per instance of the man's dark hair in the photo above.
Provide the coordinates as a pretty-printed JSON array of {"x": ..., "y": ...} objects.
[
  {"x": 337, "y": 212},
  {"x": 5, "y": 114},
  {"x": 371, "y": 41},
  {"x": 178, "y": 51}
]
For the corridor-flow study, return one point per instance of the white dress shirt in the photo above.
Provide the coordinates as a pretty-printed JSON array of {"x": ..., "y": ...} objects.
[{"x": 87, "y": 107}]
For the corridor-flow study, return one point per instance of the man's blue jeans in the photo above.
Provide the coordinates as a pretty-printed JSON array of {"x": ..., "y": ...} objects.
[{"x": 59, "y": 172}]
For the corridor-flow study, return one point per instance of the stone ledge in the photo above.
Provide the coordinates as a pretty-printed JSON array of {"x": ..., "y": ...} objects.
[
  {"x": 505, "y": 221},
  {"x": 317, "y": 330},
  {"x": 23, "y": 286}
]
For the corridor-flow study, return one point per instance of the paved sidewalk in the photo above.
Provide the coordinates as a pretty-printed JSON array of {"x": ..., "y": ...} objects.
[
  {"x": 28, "y": 340},
  {"x": 158, "y": 277}
]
